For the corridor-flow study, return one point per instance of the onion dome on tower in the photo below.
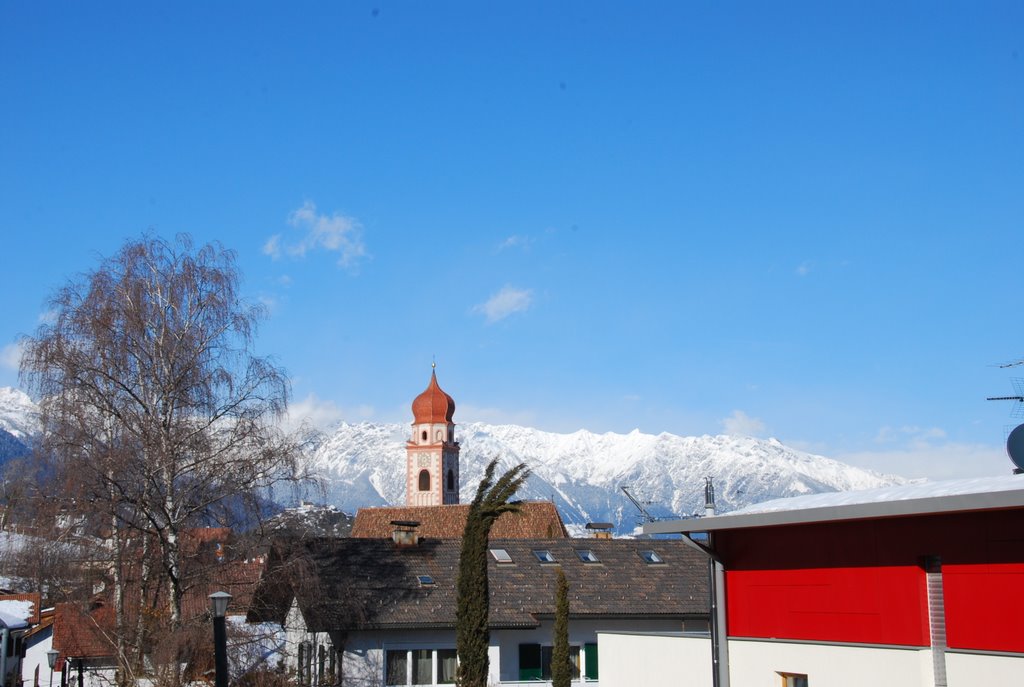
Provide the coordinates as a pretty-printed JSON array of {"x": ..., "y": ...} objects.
[{"x": 433, "y": 405}]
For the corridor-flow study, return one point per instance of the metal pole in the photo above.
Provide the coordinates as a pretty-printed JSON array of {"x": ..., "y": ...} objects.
[
  {"x": 4, "y": 636},
  {"x": 220, "y": 644}
]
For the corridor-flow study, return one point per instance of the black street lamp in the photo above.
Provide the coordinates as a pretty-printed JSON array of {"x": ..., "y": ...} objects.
[
  {"x": 51, "y": 660},
  {"x": 218, "y": 606}
]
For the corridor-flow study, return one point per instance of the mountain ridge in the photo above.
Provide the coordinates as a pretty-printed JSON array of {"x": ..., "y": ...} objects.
[{"x": 583, "y": 472}]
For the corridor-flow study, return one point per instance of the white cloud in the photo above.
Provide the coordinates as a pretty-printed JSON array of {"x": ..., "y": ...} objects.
[
  {"x": 504, "y": 303},
  {"x": 937, "y": 461},
  {"x": 10, "y": 356},
  {"x": 323, "y": 413},
  {"x": 803, "y": 269},
  {"x": 334, "y": 233},
  {"x": 741, "y": 424},
  {"x": 515, "y": 241},
  {"x": 273, "y": 246},
  {"x": 496, "y": 416},
  {"x": 913, "y": 435}
]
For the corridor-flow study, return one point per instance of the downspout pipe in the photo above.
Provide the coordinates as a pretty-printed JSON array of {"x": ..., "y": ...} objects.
[
  {"x": 5, "y": 635},
  {"x": 719, "y": 634}
]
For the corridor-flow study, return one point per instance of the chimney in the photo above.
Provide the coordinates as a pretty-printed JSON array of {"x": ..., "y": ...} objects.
[
  {"x": 404, "y": 533},
  {"x": 601, "y": 530},
  {"x": 709, "y": 497}
]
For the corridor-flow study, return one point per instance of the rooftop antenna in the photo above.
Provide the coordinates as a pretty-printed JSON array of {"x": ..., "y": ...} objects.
[
  {"x": 1017, "y": 409},
  {"x": 645, "y": 514},
  {"x": 1015, "y": 439}
]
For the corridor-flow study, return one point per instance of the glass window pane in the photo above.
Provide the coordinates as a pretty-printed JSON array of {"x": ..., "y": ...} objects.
[
  {"x": 446, "y": 667},
  {"x": 396, "y": 667},
  {"x": 422, "y": 667},
  {"x": 590, "y": 658},
  {"x": 574, "y": 661},
  {"x": 529, "y": 662}
]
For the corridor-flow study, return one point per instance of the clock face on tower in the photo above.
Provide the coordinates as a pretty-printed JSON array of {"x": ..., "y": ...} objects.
[{"x": 423, "y": 460}]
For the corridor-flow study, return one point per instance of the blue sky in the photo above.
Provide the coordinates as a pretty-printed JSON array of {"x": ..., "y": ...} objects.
[{"x": 799, "y": 220}]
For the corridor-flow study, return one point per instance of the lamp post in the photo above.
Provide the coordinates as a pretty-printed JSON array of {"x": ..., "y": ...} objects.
[
  {"x": 218, "y": 606},
  {"x": 51, "y": 660}
]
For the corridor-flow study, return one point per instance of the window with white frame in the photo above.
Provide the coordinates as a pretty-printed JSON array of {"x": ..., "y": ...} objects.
[{"x": 419, "y": 666}]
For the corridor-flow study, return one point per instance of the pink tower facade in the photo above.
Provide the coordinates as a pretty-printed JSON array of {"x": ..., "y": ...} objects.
[{"x": 432, "y": 454}]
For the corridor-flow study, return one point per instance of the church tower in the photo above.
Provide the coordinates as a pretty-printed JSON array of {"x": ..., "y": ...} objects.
[{"x": 432, "y": 454}]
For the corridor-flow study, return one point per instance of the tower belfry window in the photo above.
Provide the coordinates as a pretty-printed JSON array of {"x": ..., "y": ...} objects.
[
  {"x": 424, "y": 480},
  {"x": 451, "y": 480},
  {"x": 424, "y": 435}
]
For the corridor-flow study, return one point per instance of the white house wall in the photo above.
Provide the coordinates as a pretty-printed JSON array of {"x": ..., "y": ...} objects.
[
  {"x": 759, "y": 664},
  {"x": 581, "y": 632},
  {"x": 967, "y": 670},
  {"x": 630, "y": 658},
  {"x": 363, "y": 657},
  {"x": 627, "y": 659}
]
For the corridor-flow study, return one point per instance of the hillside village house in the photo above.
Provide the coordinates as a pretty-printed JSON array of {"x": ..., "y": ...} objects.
[
  {"x": 917, "y": 585},
  {"x": 382, "y": 611}
]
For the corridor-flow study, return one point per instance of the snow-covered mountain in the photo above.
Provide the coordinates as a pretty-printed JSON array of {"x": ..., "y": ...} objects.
[
  {"x": 19, "y": 416},
  {"x": 19, "y": 423},
  {"x": 583, "y": 473},
  {"x": 363, "y": 464}
]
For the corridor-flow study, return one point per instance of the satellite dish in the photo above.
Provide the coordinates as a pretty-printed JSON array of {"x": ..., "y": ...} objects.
[{"x": 1015, "y": 446}]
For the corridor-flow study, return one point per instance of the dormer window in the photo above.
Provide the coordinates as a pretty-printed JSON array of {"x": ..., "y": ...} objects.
[
  {"x": 544, "y": 556},
  {"x": 501, "y": 556},
  {"x": 587, "y": 556},
  {"x": 651, "y": 557}
]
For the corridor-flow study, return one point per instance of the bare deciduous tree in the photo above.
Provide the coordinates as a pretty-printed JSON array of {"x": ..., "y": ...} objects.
[{"x": 158, "y": 410}]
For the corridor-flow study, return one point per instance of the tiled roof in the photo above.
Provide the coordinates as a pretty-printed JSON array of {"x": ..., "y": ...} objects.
[
  {"x": 81, "y": 634},
  {"x": 348, "y": 584},
  {"x": 90, "y": 634},
  {"x": 535, "y": 520},
  {"x": 237, "y": 578}
]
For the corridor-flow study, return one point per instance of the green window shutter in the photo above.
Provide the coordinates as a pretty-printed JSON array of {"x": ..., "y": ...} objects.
[
  {"x": 590, "y": 658},
  {"x": 529, "y": 662}
]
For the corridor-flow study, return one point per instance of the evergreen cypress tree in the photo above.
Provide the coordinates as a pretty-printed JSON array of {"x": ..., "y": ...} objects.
[
  {"x": 561, "y": 669},
  {"x": 472, "y": 636}
]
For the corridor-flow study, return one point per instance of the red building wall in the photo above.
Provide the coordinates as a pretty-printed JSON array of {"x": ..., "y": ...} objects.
[{"x": 862, "y": 581}]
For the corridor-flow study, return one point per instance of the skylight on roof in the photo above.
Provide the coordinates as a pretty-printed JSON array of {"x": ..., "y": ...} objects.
[
  {"x": 651, "y": 556},
  {"x": 425, "y": 580},
  {"x": 501, "y": 555},
  {"x": 587, "y": 556},
  {"x": 544, "y": 556}
]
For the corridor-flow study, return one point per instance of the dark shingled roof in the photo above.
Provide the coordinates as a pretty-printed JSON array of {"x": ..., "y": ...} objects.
[
  {"x": 351, "y": 584},
  {"x": 535, "y": 520}
]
